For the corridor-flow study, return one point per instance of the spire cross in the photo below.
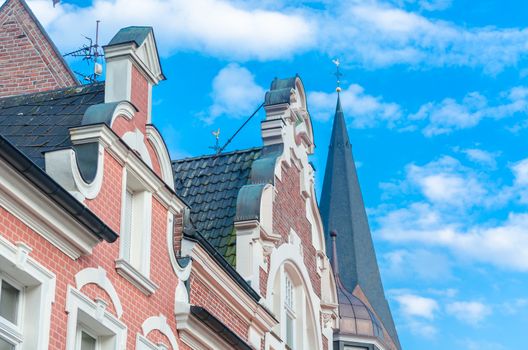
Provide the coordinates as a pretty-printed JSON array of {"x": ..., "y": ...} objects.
[{"x": 338, "y": 74}]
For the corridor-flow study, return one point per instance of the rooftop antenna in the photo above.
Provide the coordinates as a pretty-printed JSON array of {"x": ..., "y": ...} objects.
[
  {"x": 338, "y": 75},
  {"x": 221, "y": 149},
  {"x": 216, "y": 147},
  {"x": 90, "y": 53}
]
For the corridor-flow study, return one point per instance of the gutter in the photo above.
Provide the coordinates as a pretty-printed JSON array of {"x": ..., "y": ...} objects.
[
  {"x": 55, "y": 192},
  {"x": 219, "y": 328}
]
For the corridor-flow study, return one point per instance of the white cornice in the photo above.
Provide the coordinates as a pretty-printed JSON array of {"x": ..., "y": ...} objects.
[
  {"x": 123, "y": 154},
  {"x": 20, "y": 197}
]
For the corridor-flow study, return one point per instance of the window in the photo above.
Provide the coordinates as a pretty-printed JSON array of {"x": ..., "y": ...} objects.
[
  {"x": 27, "y": 290},
  {"x": 11, "y": 305},
  {"x": 90, "y": 325},
  {"x": 85, "y": 340},
  {"x": 136, "y": 213},
  {"x": 289, "y": 311}
]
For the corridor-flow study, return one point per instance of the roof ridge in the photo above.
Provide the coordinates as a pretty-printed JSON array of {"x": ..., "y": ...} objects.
[
  {"x": 41, "y": 93},
  {"x": 205, "y": 156}
]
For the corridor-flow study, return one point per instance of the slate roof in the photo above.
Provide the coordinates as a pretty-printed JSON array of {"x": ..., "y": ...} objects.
[
  {"x": 343, "y": 211},
  {"x": 39, "y": 122},
  {"x": 130, "y": 34},
  {"x": 210, "y": 185}
]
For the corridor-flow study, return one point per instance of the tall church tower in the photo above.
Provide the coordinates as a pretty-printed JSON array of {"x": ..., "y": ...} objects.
[{"x": 365, "y": 317}]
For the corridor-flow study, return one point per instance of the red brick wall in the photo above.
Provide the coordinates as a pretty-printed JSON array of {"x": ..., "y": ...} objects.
[
  {"x": 28, "y": 62},
  {"x": 201, "y": 295},
  {"x": 289, "y": 212},
  {"x": 137, "y": 306}
]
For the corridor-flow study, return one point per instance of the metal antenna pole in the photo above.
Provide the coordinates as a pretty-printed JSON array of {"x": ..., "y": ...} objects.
[{"x": 240, "y": 128}]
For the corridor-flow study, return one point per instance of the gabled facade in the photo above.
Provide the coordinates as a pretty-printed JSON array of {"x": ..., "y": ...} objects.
[
  {"x": 107, "y": 243},
  {"x": 30, "y": 61}
]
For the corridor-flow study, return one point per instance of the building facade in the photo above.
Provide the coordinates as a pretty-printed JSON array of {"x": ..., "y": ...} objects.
[{"x": 108, "y": 243}]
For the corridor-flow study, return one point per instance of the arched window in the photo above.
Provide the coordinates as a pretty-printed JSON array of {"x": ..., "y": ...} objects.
[{"x": 291, "y": 307}]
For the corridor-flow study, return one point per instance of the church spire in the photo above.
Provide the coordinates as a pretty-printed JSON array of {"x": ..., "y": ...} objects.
[{"x": 343, "y": 211}]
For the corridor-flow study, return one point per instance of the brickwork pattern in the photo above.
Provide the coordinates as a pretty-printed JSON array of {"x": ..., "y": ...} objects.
[
  {"x": 201, "y": 295},
  {"x": 28, "y": 61},
  {"x": 289, "y": 212},
  {"x": 137, "y": 306}
]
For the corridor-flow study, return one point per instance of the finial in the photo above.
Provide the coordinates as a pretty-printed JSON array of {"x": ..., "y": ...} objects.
[
  {"x": 216, "y": 147},
  {"x": 338, "y": 75},
  {"x": 335, "y": 265}
]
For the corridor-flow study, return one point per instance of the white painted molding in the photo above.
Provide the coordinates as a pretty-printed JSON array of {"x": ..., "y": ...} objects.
[
  {"x": 98, "y": 276},
  {"x": 142, "y": 282},
  {"x": 123, "y": 109},
  {"x": 123, "y": 154},
  {"x": 62, "y": 166},
  {"x": 92, "y": 317},
  {"x": 28, "y": 272},
  {"x": 144, "y": 57},
  {"x": 20, "y": 197},
  {"x": 291, "y": 253},
  {"x": 136, "y": 140},
  {"x": 163, "y": 155},
  {"x": 160, "y": 323}
]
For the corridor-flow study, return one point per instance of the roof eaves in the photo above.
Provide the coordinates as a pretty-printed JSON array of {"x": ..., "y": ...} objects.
[
  {"x": 219, "y": 328},
  {"x": 55, "y": 192}
]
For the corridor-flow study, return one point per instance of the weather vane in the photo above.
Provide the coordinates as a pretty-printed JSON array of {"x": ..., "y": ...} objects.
[
  {"x": 216, "y": 147},
  {"x": 90, "y": 53},
  {"x": 338, "y": 74}
]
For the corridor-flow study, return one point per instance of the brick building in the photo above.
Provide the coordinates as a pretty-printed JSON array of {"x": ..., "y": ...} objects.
[{"x": 107, "y": 243}]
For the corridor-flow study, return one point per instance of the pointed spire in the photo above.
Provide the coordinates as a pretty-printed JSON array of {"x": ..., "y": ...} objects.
[{"x": 343, "y": 211}]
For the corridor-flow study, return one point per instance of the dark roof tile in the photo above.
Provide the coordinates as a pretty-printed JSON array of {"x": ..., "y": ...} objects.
[
  {"x": 38, "y": 123},
  {"x": 210, "y": 185}
]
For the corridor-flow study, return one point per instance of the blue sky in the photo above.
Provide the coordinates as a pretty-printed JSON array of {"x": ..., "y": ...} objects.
[{"x": 435, "y": 93}]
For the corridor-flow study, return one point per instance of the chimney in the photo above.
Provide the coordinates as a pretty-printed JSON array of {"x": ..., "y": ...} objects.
[{"x": 132, "y": 68}]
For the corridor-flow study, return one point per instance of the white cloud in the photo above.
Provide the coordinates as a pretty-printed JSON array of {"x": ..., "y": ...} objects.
[
  {"x": 482, "y": 157},
  {"x": 384, "y": 35},
  {"x": 520, "y": 171},
  {"x": 472, "y": 312},
  {"x": 363, "y": 109},
  {"x": 416, "y": 306},
  {"x": 214, "y": 27},
  {"x": 449, "y": 115},
  {"x": 416, "y": 264},
  {"x": 504, "y": 244},
  {"x": 447, "y": 182},
  {"x": 480, "y": 344},
  {"x": 371, "y": 33},
  {"x": 235, "y": 94},
  {"x": 444, "y": 215},
  {"x": 513, "y": 307}
]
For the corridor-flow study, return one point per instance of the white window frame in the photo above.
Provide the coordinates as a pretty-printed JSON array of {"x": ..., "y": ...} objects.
[
  {"x": 142, "y": 343},
  {"x": 139, "y": 235},
  {"x": 37, "y": 293},
  {"x": 83, "y": 329},
  {"x": 84, "y": 313},
  {"x": 289, "y": 310},
  {"x": 9, "y": 331}
]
